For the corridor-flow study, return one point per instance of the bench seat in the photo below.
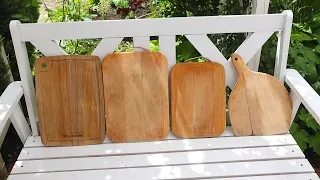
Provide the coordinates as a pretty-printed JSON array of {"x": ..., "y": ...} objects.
[{"x": 242, "y": 158}]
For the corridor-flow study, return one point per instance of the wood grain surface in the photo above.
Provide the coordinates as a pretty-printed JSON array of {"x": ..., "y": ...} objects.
[
  {"x": 136, "y": 96},
  {"x": 198, "y": 99},
  {"x": 259, "y": 103},
  {"x": 70, "y": 103}
]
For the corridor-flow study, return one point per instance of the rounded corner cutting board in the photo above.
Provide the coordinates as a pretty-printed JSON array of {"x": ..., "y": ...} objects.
[
  {"x": 70, "y": 103},
  {"x": 259, "y": 104},
  {"x": 198, "y": 99},
  {"x": 136, "y": 96}
]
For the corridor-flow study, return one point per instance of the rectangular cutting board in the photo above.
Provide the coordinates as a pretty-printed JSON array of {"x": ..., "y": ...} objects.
[
  {"x": 136, "y": 96},
  {"x": 198, "y": 99},
  {"x": 70, "y": 103}
]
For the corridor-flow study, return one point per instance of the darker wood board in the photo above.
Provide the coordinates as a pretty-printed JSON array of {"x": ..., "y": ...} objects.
[
  {"x": 70, "y": 103},
  {"x": 259, "y": 104},
  {"x": 136, "y": 96},
  {"x": 198, "y": 99}
]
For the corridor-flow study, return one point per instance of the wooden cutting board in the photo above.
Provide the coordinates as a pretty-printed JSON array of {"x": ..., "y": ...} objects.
[
  {"x": 259, "y": 103},
  {"x": 198, "y": 99},
  {"x": 136, "y": 96},
  {"x": 70, "y": 103}
]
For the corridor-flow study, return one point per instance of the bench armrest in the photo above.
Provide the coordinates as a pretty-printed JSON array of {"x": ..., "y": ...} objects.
[
  {"x": 9, "y": 108},
  {"x": 307, "y": 95}
]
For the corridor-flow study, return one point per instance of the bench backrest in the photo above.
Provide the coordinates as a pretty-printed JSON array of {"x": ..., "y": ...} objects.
[{"x": 195, "y": 29}]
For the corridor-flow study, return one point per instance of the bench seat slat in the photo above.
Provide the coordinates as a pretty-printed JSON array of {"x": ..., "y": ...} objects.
[
  {"x": 181, "y": 171},
  {"x": 160, "y": 159},
  {"x": 156, "y": 147}
]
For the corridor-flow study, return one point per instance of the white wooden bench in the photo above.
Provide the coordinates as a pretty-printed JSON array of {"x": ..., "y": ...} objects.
[{"x": 227, "y": 157}]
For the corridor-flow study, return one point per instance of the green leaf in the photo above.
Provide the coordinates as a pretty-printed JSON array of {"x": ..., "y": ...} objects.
[
  {"x": 317, "y": 48},
  {"x": 154, "y": 45},
  {"x": 294, "y": 128},
  {"x": 314, "y": 142},
  {"x": 121, "y": 3},
  {"x": 309, "y": 120},
  {"x": 302, "y": 138},
  {"x": 300, "y": 36}
]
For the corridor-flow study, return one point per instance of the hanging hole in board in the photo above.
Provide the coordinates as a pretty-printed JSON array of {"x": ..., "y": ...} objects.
[
  {"x": 236, "y": 59},
  {"x": 44, "y": 65}
]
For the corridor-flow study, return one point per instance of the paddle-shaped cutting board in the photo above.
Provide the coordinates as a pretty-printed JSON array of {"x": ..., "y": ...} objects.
[
  {"x": 259, "y": 104},
  {"x": 70, "y": 103},
  {"x": 136, "y": 96},
  {"x": 198, "y": 99}
]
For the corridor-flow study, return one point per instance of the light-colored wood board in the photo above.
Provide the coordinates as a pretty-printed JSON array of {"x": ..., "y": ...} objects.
[
  {"x": 165, "y": 26},
  {"x": 154, "y": 147},
  {"x": 308, "y": 96},
  {"x": 35, "y": 141},
  {"x": 136, "y": 96},
  {"x": 259, "y": 103},
  {"x": 160, "y": 159},
  {"x": 198, "y": 99},
  {"x": 182, "y": 171},
  {"x": 70, "y": 100}
]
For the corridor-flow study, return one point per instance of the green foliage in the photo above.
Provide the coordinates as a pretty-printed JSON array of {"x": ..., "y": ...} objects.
[
  {"x": 121, "y": 3},
  {"x": 24, "y": 10},
  {"x": 69, "y": 11},
  {"x": 4, "y": 76},
  {"x": 104, "y": 7}
]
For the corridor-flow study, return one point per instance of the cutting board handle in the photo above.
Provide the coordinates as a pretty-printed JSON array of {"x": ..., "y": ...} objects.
[{"x": 239, "y": 63}]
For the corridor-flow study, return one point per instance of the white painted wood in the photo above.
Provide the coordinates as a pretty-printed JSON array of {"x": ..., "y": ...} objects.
[
  {"x": 143, "y": 42},
  {"x": 49, "y": 48},
  {"x": 296, "y": 101},
  {"x": 35, "y": 141},
  {"x": 258, "y": 7},
  {"x": 151, "y": 27},
  {"x": 182, "y": 171},
  {"x": 283, "y": 47},
  {"x": 4, "y": 131},
  {"x": 106, "y": 46},
  {"x": 160, "y": 159},
  {"x": 25, "y": 74},
  {"x": 20, "y": 124},
  {"x": 9, "y": 101},
  {"x": 156, "y": 147},
  {"x": 246, "y": 50},
  {"x": 309, "y": 97},
  {"x": 305, "y": 176},
  {"x": 168, "y": 48}
]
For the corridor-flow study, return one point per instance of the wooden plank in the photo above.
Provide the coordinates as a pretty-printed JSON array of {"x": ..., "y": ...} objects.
[
  {"x": 154, "y": 147},
  {"x": 68, "y": 87},
  {"x": 151, "y": 27},
  {"x": 136, "y": 96},
  {"x": 141, "y": 42},
  {"x": 259, "y": 104},
  {"x": 49, "y": 48},
  {"x": 106, "y": 46},
  {"x": 25, "y": 75},
  {"x": 182, "y": 171},
  {"x": 198, "y": 96},
  {"x": 162, "y": 159},
  {"x": 308, "y": 96},
  {"x": 35, "y": 141}
]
